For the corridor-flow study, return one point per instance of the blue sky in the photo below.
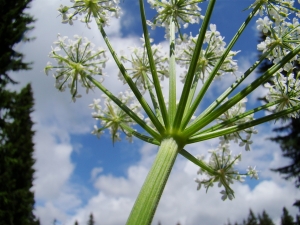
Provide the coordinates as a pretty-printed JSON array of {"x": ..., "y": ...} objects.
[{"x": 77, "y": 174}]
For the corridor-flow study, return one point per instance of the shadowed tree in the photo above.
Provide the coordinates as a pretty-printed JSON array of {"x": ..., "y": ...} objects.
[
  {"x": 286, "y": 218},
  {"x": 16, "y": 146},
  {"x": 91, "y": 220},
  {"x": 251, "y": 220},
  {"x": 14, "y": 24},
  {"x": 16, "y": 161},
  {"x": 264, "y": 219}
]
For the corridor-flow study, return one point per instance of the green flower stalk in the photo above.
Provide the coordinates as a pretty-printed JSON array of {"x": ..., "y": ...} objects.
[{"x": 173, "y": 124}]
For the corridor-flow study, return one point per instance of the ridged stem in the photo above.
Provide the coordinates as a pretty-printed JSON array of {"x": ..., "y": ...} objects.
[{"x": 149, "y": 196}]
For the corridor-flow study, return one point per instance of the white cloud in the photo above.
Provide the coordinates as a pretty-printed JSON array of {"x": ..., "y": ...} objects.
[{"x": 180, "y": 201}]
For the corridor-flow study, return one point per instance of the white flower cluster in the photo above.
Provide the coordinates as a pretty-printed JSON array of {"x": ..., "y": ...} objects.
[
  {"x": 102, "y": 9},
  {"x": 235, "y": 111},
  {"x": 182, "y": 12},
  {"x": 282, "y": 37},
  {"x": 112, "y": 117},
  {"x": 286, "y": 89},
  {"x": 276, "y": 10},
  {"x": 221, "y": 169},
  {"x": 215, "y": 47},
  {"x": 140, "y": 70},
  {"x": 282, "y": 30},
  {"x": 80, "y": 60}
]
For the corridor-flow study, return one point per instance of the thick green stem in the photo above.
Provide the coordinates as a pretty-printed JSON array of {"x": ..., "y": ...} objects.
[{"x": 149, "y": 196}]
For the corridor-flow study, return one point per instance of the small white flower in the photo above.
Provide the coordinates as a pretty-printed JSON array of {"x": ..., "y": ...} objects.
[{"x": 252, "y": 172}]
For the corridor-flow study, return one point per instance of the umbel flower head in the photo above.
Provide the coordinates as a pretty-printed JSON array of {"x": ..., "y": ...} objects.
[
  {"x": 101, "y": 9},
  {"x": 286, "y": 89},
  {"x": 234, "y": 112},
  {"x": 220, "y": 168},
  {"x": 182, "y": 12},
  {"x": 112, "y": 117},
  {"x": 215, "y": 47},
  {"x": 80, "y": 60},
  {"x": 139, "y": 67}
]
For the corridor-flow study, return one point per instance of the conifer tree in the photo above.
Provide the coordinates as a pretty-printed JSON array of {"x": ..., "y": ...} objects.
[
  {"x": 16, "y": 161},
  {"x": 14, "y": 24},
  {"x": 286, "y": 218},
  {"x": 264, "y": 219},
  {"x": 91, "y": 220},
  {"x": 251, "y": 220},
  {"x": 16, "y": 146}
]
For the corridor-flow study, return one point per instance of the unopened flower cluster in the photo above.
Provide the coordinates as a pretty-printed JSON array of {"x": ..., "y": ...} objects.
[
  {"x": 101, "y": 9},
  {"x": 113, "y": 118},
  {"x": 79, "y": 59},
  {"x": 221, "y": 170}
]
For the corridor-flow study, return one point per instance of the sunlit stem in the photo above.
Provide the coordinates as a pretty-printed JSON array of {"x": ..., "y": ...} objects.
[
  {"x": 172, "y": 73},
  {"x": 192, "y": 69},
  {"x": 124, "y": 107},
  {"x": 236, "y": 128},
  {"x": 152, "y": 189},
  {"x": 131, "y": 84},
  {"x": 228, "y": 122},
  {"x": 153, "y": 97},
  {"x": 143, "y": 137},
  {"x": 197, "y": 162},
  {"x": 156, "y": 82},
  {"x": 216, "y": 68},
  {"x": 242, "y": 94},
  {"x": 226, "y": 93}
]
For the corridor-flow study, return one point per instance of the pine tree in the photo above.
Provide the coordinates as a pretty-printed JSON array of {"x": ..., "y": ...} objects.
[
  {"x": 286, "y": 218},
  {"x": 16, "y": 146},
  {"x": 16, "y": 161},
  {"x": 290, "y": 146},
  {"x": 264, "y": 219},
  {"x": 91, "y": 220},
  {"x": 76, "y": 223},
  {"x": 251, "y": 220},
  {"x": 14, "y": 24}
]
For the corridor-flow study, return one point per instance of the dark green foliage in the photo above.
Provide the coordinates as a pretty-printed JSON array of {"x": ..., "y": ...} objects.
[
  {"x": 76, "y": 223},
  {"x": 286, "y": 218},
  {"x": 251, "y": 220},
  {"x": 290, "y": 146},
  {"x": 264, "y": 219},
  {"x": 16, "y": 161},
  {"x": 91, "y": 220},
  {"x": 14, "y": 24}
]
